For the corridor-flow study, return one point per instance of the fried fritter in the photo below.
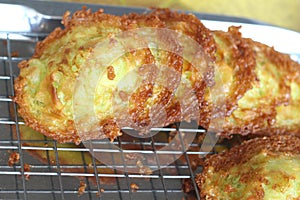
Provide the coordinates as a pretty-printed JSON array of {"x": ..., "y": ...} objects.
[
  {"x": 260, "y": 168},
  {"x": 229, "y": 84},
  {"x": 263, "y": 95}
]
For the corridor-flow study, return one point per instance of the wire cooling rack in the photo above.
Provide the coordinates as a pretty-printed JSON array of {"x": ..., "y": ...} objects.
[{"x": 48, "y": 170}]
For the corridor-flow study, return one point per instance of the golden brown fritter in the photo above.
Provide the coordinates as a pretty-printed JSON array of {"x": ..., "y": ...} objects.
[
  {"x": 260, "y": 168},
  {"x": 263, "y": 96},
  {"x": 230, "y": 84}
]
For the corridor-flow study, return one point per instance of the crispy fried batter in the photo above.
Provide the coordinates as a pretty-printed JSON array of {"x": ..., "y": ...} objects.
[
  {"x": 261, "y": 168},
  {"x": 263, "y": 87},
  {"x": 245, "y": 86}
]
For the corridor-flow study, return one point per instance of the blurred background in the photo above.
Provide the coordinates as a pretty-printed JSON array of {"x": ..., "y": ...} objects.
[{"x": 284, "y": 13}]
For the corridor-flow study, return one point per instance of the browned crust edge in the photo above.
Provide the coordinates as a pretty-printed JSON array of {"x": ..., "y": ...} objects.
[{"x": 242, "y": 153}]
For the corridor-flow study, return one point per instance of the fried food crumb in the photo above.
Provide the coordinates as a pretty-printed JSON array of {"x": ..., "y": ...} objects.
[
  {"x": 14, "y": 54},
  {"x": 134, "y": 187},
  {"x": 27, "y": 169},
  {"x": 187, "y": 185},
  {"x": 13, "y": 158},
  {"x": 82, "y": 187},
  {"x": 101, "y": 191}
]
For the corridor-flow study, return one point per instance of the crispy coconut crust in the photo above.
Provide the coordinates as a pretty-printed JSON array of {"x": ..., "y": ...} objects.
[
  {"x": 247, "y": 87},
  {"x": 256, "y": 169}
]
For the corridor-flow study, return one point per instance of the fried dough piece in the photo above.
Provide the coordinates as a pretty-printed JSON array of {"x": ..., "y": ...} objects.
[
  {"x": 261, "y": 168},
  {"x": 45, "y": 87},
  {"x": 263, "y": 95},
  {"x": 230, "y": 84}
]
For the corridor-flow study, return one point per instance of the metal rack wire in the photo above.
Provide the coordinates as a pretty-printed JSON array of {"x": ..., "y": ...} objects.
[{"x": 56, "y": 170}]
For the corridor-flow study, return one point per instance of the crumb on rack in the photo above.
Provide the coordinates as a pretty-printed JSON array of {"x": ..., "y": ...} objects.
[
  {"x": 13, "y": 158},
  {"x": 82, "y": 187},
  {"x": 187, "y": 185},
  {"x": 134, "y": 187},
  {"x": 101, "y": 191},
  {"x": 14, "y": 54},
  {"x": 27, "y": 169}
]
